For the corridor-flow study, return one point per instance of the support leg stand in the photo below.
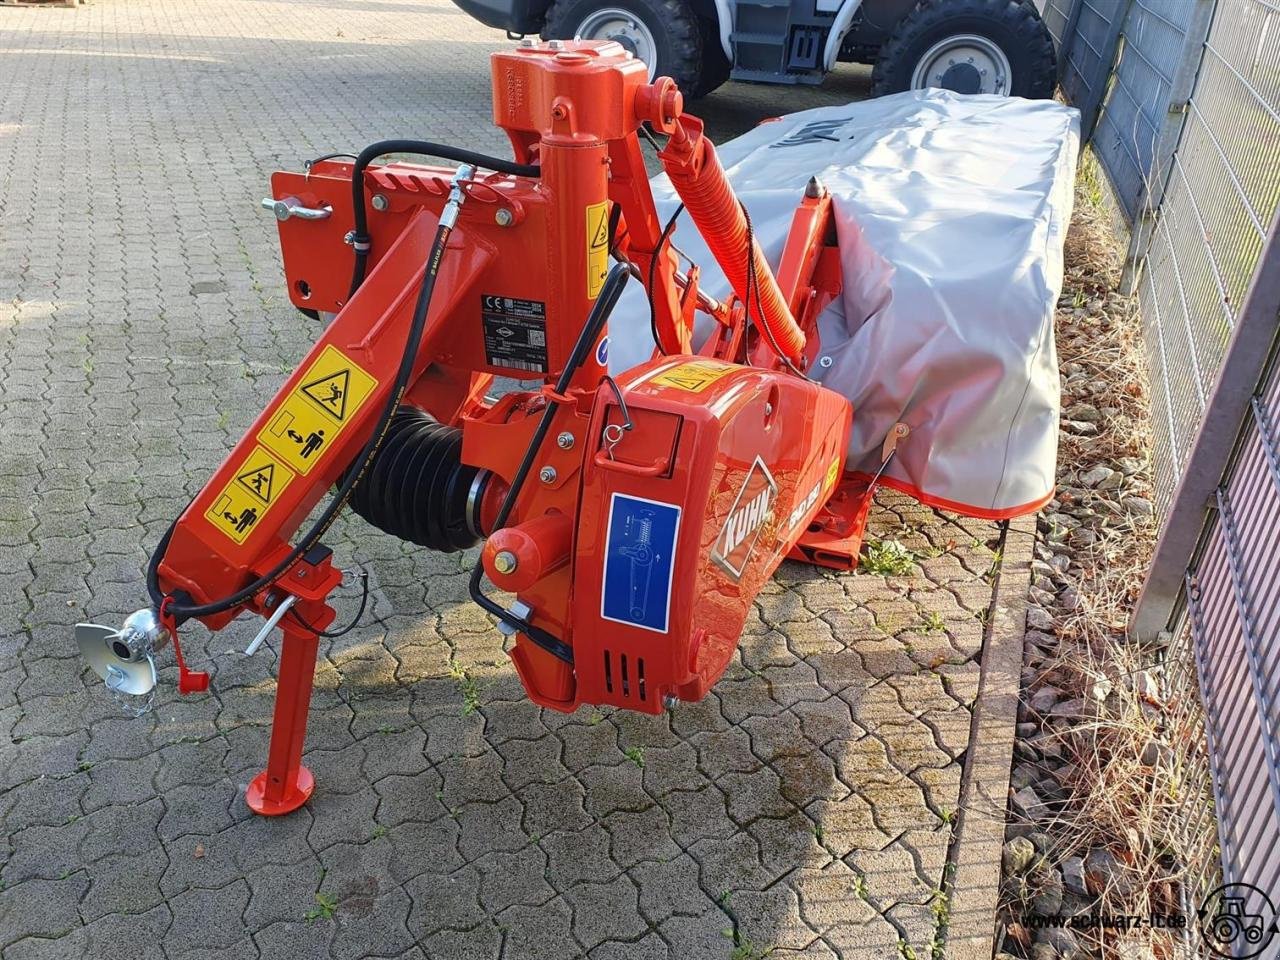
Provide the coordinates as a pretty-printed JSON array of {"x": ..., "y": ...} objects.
[{"x": 286, "y": 784}]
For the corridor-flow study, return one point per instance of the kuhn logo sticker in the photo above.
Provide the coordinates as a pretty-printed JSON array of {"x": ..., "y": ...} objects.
[{"x": 747, "y": 518}]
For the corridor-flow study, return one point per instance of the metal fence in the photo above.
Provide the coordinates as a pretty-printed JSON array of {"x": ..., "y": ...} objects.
[
  {"x": 1182, "y": 101},
  {"x": 1092, "y": 29}
]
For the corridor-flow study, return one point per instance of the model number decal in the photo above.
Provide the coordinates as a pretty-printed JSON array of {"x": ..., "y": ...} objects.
[
  {"x": 821, "y": 486},
  {"x": 515, "y": 332}
]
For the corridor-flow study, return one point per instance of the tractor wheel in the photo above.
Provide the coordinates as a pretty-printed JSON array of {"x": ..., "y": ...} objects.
[
  {"x": 715, "y": 65},
  {"x": 969, "y": 46},
  {"x": 665, "y": 34}
]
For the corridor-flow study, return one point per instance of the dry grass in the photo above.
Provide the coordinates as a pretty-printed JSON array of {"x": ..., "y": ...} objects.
[{"x": 1119, "y": 790}]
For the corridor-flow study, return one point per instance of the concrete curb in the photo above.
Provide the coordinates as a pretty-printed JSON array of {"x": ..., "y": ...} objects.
[{"x": 975, "y": 883}]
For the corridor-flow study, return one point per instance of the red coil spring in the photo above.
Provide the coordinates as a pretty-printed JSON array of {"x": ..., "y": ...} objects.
[{"x": 694, "y": 170}]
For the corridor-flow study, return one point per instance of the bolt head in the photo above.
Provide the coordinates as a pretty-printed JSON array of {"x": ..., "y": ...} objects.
[
  {"x": 503, "y": 217},
  {"x": 380, "y": 202},
  {"x": 825, "y": 362},
  {"x": 504, "y": 561},
  {"x": 547, "y": 474},
  {"x": 565, "y": 441}
]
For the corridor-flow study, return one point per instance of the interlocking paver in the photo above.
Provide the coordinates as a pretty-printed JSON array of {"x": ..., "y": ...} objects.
[{"x": 803, "y": 807}]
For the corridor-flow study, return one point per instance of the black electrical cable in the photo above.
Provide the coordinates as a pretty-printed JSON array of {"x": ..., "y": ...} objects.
[
  {"x": 334, "y": 634},
  {"x": 307, "y": 165},
  {"x": 360, "y": 239},
  {"x": 647, "y": 132},
  {"x": 615, "y": 217},
  {"x": 627, "y": 423},
  {"x": 600, "y": 310},
  {"x": 183, "y": 612},
  {"x": 653, "y": 267}
]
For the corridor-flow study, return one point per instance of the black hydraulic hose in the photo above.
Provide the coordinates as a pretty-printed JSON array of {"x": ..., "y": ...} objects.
[
  {"x": 360, "y": 239},
  {"x": 182, "y": 611},
  {"x": 600, "y": 310},
  {"x": 653, "y": 266}
]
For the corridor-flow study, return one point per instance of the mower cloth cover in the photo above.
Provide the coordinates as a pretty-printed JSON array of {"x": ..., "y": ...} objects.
[{"x": 951, "y": 214}]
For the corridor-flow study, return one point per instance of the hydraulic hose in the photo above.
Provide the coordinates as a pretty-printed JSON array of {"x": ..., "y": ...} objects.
[
  {"x": 360, "y": 239},
  {"x": 691, "y": 164},
  {"x": 600, "y": 310},
  {"x": 183, "y": 611}
]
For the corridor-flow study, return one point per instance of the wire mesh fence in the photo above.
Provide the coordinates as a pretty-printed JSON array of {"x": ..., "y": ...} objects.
[
  {"x": 1221, "y": 195},
  {"x": 1188, "y": 132}
]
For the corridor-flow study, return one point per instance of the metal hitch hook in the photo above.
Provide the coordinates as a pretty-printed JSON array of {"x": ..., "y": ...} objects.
[{"x": 291, "y": 208}]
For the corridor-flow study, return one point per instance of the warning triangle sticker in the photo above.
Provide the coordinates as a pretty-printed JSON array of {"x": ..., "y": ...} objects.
[
  {"x": 259, "y": 480},
  {"x": 330, "y": 393},
  {"x": 691, "y": 381},
  {"x": 600, "y": 232}
]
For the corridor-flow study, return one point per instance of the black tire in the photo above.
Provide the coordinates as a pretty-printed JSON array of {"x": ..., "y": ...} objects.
[
  {"x": 676, "y": 30},
  {"x": 1012, "y": 25},
  {"x": 715, "y": 65}
]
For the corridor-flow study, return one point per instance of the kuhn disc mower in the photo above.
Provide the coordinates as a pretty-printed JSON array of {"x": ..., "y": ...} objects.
[{"x": 633, "y": 517}]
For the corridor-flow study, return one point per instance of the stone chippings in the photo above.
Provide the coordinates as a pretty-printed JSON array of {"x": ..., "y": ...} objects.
[{"x": 804, "y": 807}]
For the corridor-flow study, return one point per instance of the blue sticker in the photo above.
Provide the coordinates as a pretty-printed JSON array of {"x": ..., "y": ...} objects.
[
  {"x": 639, "y": 561},
  {"x": 602, "y": 352}
]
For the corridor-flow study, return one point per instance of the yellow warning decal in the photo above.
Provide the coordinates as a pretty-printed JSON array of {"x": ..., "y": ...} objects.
[
  {"x": 326, "y": 399},
  {"x": 246, "y": 499},
  {"x": 694, "y": 375},
  {"x": 833, "y": 471},
  {"x": 597, "y": 247}
]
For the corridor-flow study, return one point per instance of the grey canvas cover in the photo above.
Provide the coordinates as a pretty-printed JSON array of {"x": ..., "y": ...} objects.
[{"x": 951, "y": 213}]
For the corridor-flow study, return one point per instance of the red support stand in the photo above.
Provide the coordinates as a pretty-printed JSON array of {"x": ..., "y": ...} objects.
[{"x": 286, "y": 784}]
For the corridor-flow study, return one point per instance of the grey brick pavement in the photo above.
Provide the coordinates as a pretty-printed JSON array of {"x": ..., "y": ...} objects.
[{"x": 805, "y": 808}]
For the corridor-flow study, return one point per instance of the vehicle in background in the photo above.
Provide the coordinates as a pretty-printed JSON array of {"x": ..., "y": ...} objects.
[{"x": 969, "y": 46}]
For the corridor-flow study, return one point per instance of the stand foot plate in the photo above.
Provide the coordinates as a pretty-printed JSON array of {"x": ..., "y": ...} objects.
[{"x": 294, "y": 797}]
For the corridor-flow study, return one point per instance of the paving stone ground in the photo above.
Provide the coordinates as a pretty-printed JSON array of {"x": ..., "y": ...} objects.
[{"x": 805, "y": 808}]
